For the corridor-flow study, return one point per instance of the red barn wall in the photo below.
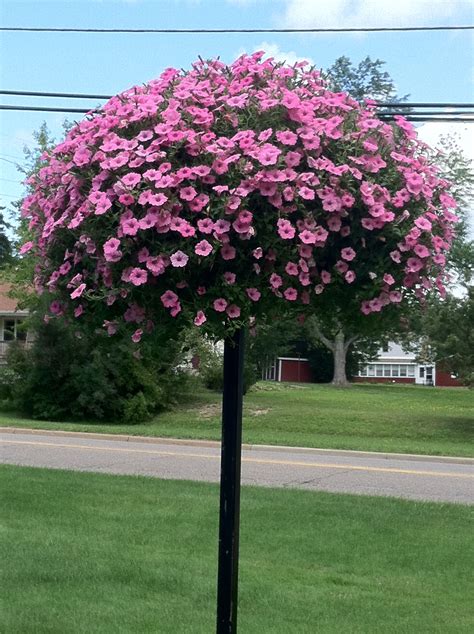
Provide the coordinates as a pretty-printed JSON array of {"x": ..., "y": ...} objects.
[
  {"x": 295, "y": 371},
  {"x": 444, "y": 379}
]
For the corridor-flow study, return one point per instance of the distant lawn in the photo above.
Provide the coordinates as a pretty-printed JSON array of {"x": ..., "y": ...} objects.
[
  {"x": 392, "y": 418},
  {"x": 94, "y": 553}
]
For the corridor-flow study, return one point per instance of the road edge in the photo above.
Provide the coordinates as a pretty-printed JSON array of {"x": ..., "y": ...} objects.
[{"x": 247, "y": 447}]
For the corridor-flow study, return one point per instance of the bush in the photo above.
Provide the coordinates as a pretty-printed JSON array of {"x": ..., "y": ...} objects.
[{"x": 93, "y": 377}]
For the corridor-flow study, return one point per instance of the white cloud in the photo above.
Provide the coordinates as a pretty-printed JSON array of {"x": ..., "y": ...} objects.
[
  {"x": 273, "y": 50},
  {"x": 369, "y": 13}
]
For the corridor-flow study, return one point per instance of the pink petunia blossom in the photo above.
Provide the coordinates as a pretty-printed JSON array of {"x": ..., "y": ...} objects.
[
  {"x": 169, "y": 299},
  {"x": 203, "y": 248},
  {"x": 137, "y": 335},
  {"x": 78, "y": 291},
  {"x": 348, "y": 254},
  {"x": 200, "y": 318},
  {"x": 291, "y": 294},
  {"x": 179, "y": 259},
  {"x": 138, "y": 276},
  {"x": 349, "y": 276},
  {"x": 220, "y": 304},
  {"x": 233, "y": 311},
  {"x": 228, "y": 252},
  {"x": 253, "y": 293},
  {"x": 205, "y": 225},
  {"x": 229, "y": 277}
]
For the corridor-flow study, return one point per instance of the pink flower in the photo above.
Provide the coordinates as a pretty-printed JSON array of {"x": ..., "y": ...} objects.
[
  {"x": 111, "y": 250},
  {"x": 254, "y": 294},
  {"x": 306, "y": 193},
  {"x": 220, "y": 305},
  {"x": 221, "y": 226},
  {"x": 348, "y": 254},
  {"x": 325, "y": 277},
  {"x": 203, "y": 248},
  {"x": 349, "y": 276},
  {"x": 229, "y": 277},
  {"x": 388, "y": 279},
  {"x": 423, "y": 223},
  {"x": 78, "y": 291},
  {"x": 175, "y": 309},
  {"x": 137, "y": 335},
  {"x": 275, "y": 280},
  {"x": 318, "y": 289},
  {"x": 257, "y": 253},
  {"x": 200, "y": 318},
  {"x": 187, "y": 193},
  {"x": 130, "y": 227},
  {"x": 138, "y": 276},
  {"x": 285, "y": 229},
  {"x": 287, "y": 137},
  {"x": 205, "y": 225},
  {"x": 396, "y": 256},
  {"x": 291, "y": 268},
  {"x": 169, "y": 299},
  {"x": 228, "y": 252},
  {"x": 421, "y": 251},
  {"x": 414, "y": 265},
  {"x": 179, "y": 259},
  {"x": 395, "y": 297},
  {"x": 26, "y": 247},
  {"x": 290, "y": 294},
  {"x": 307, "y": 237},
  {"x": 233, "y": 311},
  {"x": 131, "y": 179}
]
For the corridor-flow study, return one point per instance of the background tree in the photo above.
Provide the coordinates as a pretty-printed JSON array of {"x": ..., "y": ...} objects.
[
  {"x": 5, "y": 242},
  {"x": 367, "y": 80}
]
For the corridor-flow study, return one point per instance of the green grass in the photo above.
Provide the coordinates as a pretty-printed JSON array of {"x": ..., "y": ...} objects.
[
  {"x": 405, "y": 419},
  {"x": 93, "y": 553}
]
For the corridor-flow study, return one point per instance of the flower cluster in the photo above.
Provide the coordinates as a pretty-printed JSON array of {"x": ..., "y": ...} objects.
[{"x": 230, "y": 192}]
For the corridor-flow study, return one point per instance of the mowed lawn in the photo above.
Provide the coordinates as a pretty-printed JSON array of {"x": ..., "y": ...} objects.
[
  {"x": 94, "y": 553},
  {"x": 393, "y": 418}
]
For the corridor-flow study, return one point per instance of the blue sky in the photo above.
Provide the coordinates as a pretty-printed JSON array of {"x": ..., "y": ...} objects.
[{"x": 432, "y": 66}]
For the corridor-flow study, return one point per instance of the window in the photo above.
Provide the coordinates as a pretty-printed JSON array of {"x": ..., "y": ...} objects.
[
  {"x": 422, "y": 372},
  {"x": 403, "y": 370},
  {"x": 13, "y": 329},
  {"x": 387, "y": 370},
  {"x": 9, "y": 330},
  {"x": 411, "y": 371},
  {"x": 371, "y": 369},
  {"x": 395, "y": 370},
  {"x": 379, "y": 370}
]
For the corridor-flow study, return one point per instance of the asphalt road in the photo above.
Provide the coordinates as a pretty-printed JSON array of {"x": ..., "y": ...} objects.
[{"x": 422, "y": 478}]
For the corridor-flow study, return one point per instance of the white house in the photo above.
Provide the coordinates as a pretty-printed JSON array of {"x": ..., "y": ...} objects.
[{"x": 11, "y": 322}]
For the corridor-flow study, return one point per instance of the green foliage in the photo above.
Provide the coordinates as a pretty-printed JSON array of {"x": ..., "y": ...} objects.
[
  {"x": 366, "y": 80},
  {"x": 449, "y": 329},
  {"x": 5, "y": 243},
  {"x": 87, "y": 376}
]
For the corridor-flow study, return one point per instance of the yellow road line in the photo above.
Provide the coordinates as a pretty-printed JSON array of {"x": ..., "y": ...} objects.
[{"x": 315, "y": 465}]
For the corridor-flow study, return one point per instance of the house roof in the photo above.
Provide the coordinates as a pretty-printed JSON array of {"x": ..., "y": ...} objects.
[{"x": 8, "y": 305}]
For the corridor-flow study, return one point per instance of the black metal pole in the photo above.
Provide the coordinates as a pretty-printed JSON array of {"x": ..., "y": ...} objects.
[{"x": 228, "y": 567}]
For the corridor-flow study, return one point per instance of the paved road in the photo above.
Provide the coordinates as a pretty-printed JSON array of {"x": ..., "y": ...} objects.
[{"x": 447, "y": 480}]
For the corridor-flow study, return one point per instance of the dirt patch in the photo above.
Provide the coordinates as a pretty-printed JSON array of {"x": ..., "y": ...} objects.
[
  {"x": 258, "y": 412},
  {"x": 210, "y": 411}
]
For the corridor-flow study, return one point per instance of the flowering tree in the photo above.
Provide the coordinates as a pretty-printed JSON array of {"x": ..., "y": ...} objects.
[{"x": 229, "y": 194}]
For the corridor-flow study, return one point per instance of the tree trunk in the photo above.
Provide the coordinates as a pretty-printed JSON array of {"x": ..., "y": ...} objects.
[{"x": 340, "y": 354}]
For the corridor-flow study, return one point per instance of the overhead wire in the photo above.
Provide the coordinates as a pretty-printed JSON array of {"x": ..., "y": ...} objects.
[{"x": 374, "y": 29}]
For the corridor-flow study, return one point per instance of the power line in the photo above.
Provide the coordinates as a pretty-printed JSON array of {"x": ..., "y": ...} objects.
[
  {"x": 379, "y": 104},
  {"x": 411, "y": 116},
  {"x": 375, "y": 29},
  {"x": 46, "y": 109}
]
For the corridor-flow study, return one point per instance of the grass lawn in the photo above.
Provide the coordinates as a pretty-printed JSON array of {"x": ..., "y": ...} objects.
[
  {"x": 94, "y": 553},
  {"x": 392, "y": 418}
]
